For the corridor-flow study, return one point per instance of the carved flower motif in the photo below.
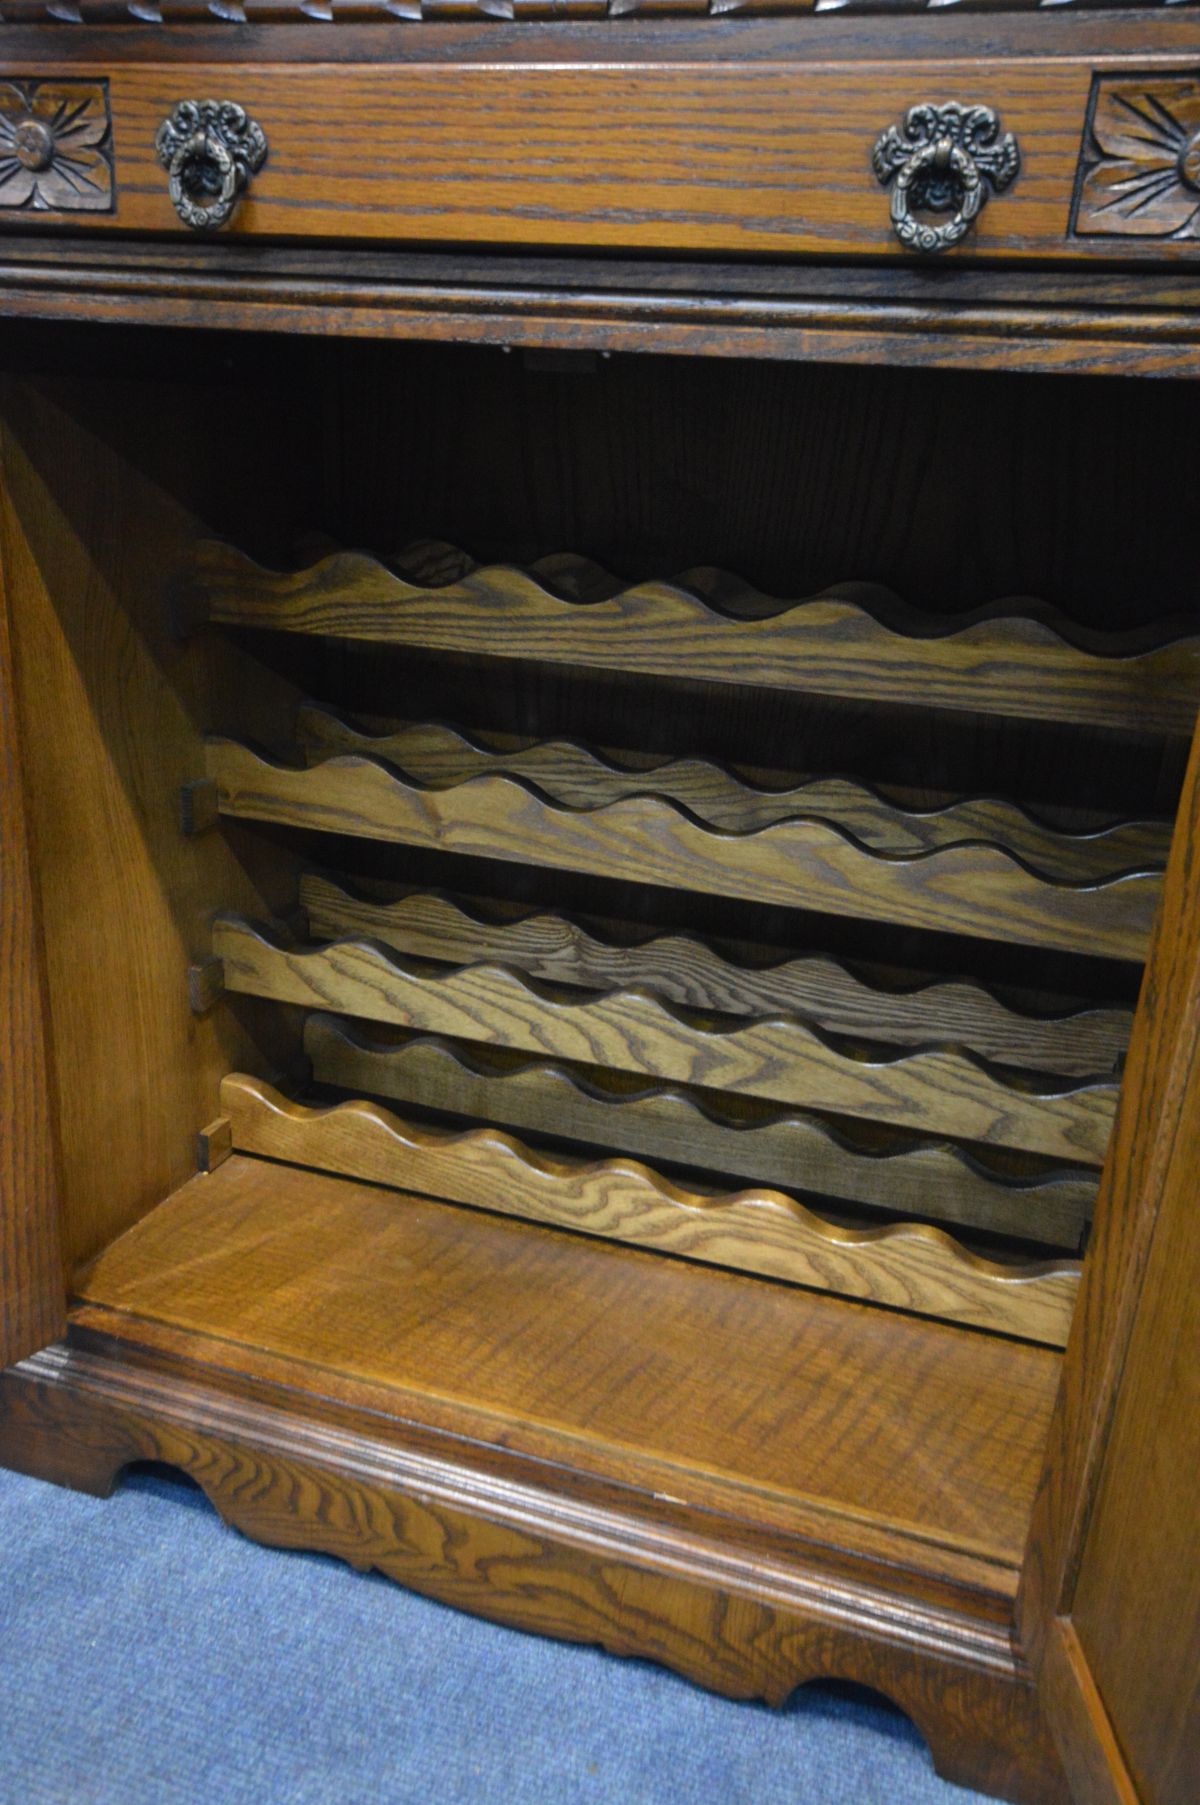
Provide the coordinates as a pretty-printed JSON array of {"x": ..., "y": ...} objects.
[
  {"x": 55, "y": 151},
  {"x": 1145, "y": 181}
]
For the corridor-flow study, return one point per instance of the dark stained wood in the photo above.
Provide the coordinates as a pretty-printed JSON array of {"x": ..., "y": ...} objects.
[
  {"x": 32, "y": 1289},
  {"x": 974, "y": 890},
  {"x": 1074, "y": 333},
  {"x": 297, "y": 1457},
  {"x": 682, "y": 969},
  {"x": 704, "y": 1130},
  {"x": 936, "y": 1090},
  {"x": 911, "y": 1267}
]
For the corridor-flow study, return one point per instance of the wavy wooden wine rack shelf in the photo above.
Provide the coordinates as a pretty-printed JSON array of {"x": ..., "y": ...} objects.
[
  {"x": 911, "y": 1266},
  {"x": 858, "y": 641},
  {"x": 679, "y": 968},
  {"x": 762, "y": 1144},
  {"x": 972, "y": 889},
  {"x": 938, "y": 1089},
  {"x": 569, "y": 773}
]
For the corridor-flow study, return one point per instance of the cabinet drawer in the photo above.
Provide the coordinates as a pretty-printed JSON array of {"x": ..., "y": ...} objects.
[{"x": 768, "y": 156}]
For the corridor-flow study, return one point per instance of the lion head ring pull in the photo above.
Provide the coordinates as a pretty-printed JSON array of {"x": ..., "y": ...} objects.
[
  {"x": 941, "y": 160},
  {"x": 209, "y": 149}
]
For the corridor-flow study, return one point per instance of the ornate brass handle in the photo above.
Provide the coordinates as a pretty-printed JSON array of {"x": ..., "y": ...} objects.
[
  {"x": 209, "y": 149},
  {"x": 937, "y": 162}
]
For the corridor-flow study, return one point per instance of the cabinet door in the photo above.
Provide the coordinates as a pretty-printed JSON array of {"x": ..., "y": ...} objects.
[
  {"x": 1110, "y": 1607},
  {"x": 32, "y": 1293}
]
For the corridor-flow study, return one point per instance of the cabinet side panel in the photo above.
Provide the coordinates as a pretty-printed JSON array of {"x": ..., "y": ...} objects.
[
  {"x": 113, "y": 706},
  {"x": 32, "y": 1296}
]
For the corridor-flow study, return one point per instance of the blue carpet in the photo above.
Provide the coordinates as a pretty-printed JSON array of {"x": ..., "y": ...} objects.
[{"x": 150, "y": 1656}]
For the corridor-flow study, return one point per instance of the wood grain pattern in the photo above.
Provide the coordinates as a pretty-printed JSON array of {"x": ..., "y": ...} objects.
[
  {"x": 684, "y": 970},
  {"x": 1150, "y": 1168},
  {"x": 1135, "y": 1611},
  {"x": 110, "y": 707},
  {"x": 32, "y": 1288},
  {"x": 565, "y": 771},
  {"x": 911, "y": 1267},
  {"x": 858, "y": 641},
  {"x": 969, "y": 890},
  {"x": 644, "y": 1569},
  {"x": 347, "y": 297},
  {"x": 764, "y": 1145},
  {"x": 939, "y": 1090},
  {"x": 613, "y": 147},
  {"x": 544, "y": 1339}
]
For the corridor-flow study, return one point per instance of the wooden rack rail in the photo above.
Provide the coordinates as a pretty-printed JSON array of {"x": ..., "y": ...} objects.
[
  {"x": 909, "y": 1266},
  {"x": 566, "y": 772},
  {"x": 937, "y": 1090},
  {"x": 734, "y": 1137},
  {"x": 800, "y": 863},
  {"x": 1080, "y": 1041},
  {"x": 858, "y": 641}
]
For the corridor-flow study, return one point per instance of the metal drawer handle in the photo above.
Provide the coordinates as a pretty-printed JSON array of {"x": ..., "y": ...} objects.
[
  {"x": 209, "y": 149},
  {"x": 937, "y": 162}
]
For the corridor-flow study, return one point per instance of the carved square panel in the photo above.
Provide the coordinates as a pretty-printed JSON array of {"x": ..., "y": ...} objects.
[
  {"x": 1139, "y": 169},
  {"x": 56, "y": 146}
]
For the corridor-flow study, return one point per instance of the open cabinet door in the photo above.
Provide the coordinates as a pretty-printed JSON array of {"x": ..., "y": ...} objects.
[
  {"x": 1109, "y": 1613},
  {"x": 32, "y": 1293}
]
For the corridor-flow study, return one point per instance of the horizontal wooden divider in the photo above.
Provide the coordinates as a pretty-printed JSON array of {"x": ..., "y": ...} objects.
[
  {"x": 682, "y": 969},
  {"x": 762, "y": 1144},
  {"x": 910, "y": 1266},
  {"x": 567, "y": 772},
  {"x": 857, "y": 641},
  {"x": 974, "y": 890},
  {"x": 938, "y": 1090}
]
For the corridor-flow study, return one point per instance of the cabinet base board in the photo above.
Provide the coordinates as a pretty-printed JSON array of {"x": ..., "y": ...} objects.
[{"x": 533, "y": 1545}]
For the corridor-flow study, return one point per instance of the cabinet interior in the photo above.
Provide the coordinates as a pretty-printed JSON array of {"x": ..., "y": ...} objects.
[{"x": 590, "y": 949}]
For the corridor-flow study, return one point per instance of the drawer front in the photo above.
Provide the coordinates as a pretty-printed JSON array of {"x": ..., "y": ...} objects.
[{"x": 773, "y": 156}]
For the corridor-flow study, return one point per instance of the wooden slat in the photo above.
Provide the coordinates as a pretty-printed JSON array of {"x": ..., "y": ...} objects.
[
  {"x": 763, "y": 1145},
  {"x": 440, "y": 755},
  {"x": 801, "y": 864},
  {"x": 684, "y": 970},
  {"x": 911, "y": 1267},
  {"x": 857, "y": 641},
  {"x": 941, "y": 1091}
]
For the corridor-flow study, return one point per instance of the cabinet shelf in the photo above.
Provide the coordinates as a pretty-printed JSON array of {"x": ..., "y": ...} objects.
[
  {"x": 1077, "y": 1040},
  {"x": 734, "y": 1137},
  {"x": 860, "y": 641},
  {"x": 936, "y": 1089},
  {"x": 979, "y": 890}
]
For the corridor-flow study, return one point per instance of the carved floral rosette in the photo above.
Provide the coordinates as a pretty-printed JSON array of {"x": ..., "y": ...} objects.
[
  {"x": 55, "y": 146},
  {"x": 1141, "y": 159}
]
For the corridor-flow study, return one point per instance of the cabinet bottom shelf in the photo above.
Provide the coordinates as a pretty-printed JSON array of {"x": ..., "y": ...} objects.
[{"x": 755, "y": 1485}]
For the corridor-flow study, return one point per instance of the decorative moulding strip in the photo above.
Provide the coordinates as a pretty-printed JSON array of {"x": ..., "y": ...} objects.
[
  {"x": 859, "y": 641},
  {"x": 401, "y": 12},
  {"x": 683, "y": 970},
  {"x": 441, "y": 755},
  {"x": 976, "y": 890},
  {"x": 761, "y": 1145},
  {"x": 910, "y": 1267},
  {"x": 935, "y": 1090}
]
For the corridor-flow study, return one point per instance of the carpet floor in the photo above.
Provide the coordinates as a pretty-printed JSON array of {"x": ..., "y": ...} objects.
[{"x": 151, "y": 1656}]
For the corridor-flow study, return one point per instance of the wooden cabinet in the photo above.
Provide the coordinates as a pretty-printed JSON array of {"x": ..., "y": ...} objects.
[{"x": 599, "y": 905}]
